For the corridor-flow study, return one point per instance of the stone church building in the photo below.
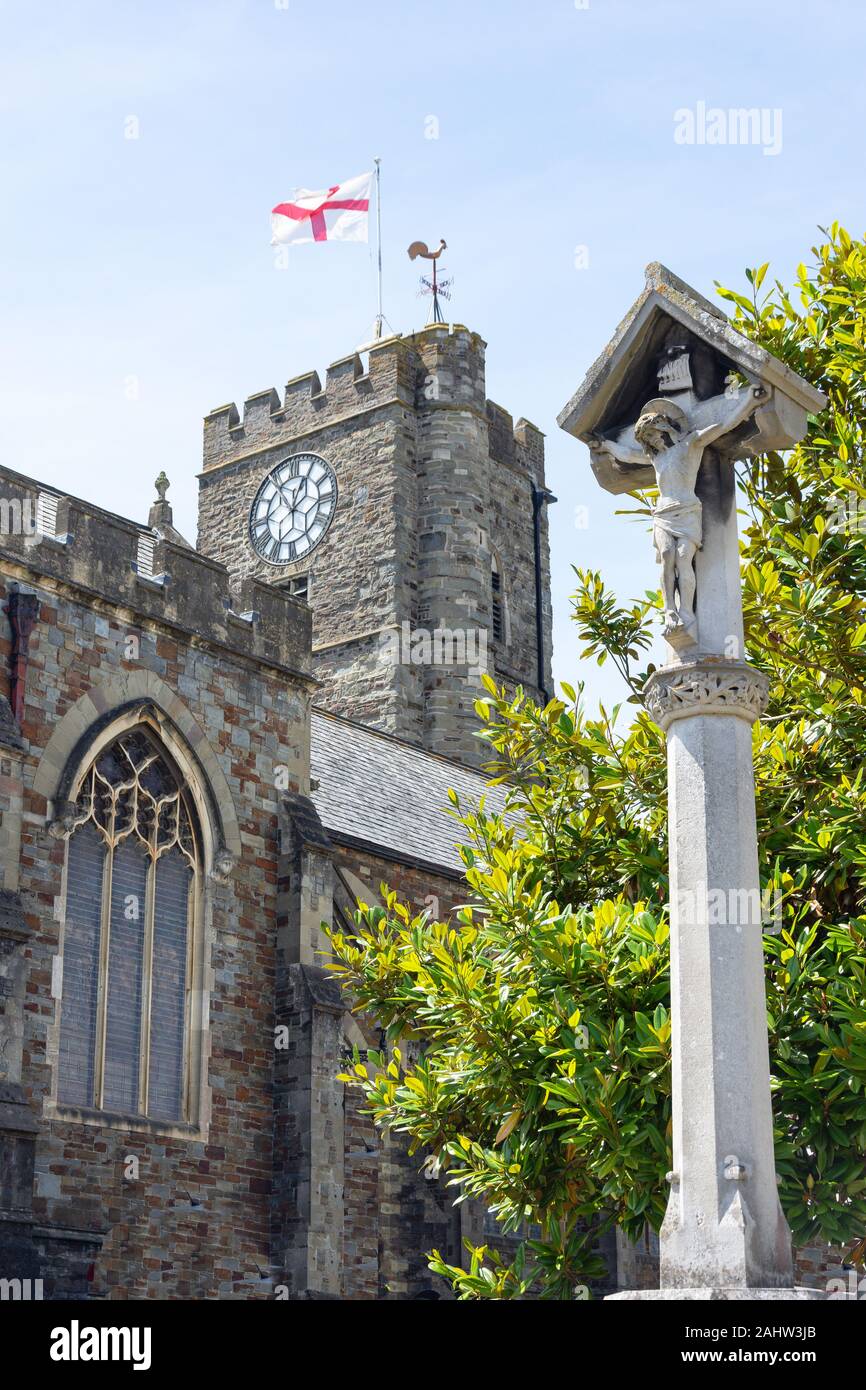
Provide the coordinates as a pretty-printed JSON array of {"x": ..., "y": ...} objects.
[{"x": 209, "y": 751}]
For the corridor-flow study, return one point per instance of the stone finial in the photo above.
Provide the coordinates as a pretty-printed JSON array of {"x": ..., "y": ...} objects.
[{"x": 160, "y": 517}]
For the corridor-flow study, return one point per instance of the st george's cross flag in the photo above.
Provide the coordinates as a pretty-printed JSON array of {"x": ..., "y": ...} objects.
[{"x": 340, "y": 213}]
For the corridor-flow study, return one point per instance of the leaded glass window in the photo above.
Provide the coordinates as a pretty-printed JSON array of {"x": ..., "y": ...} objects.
[{"x": 132, "y": 875}]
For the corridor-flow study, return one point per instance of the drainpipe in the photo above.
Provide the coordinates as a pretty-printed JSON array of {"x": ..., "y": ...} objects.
[
  {"x": 23, "y": 610},
  {"x": 540, "y": 496}
]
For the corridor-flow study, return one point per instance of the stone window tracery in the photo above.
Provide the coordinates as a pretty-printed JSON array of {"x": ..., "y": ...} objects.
[{"x": 132, "y": 880}]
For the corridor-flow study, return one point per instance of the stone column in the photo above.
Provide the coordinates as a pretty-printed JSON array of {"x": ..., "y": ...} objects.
[{"x": 724, "y": 1226}]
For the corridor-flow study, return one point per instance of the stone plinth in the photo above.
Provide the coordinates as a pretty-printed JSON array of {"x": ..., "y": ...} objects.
[{"x": 717, "y": 1294}]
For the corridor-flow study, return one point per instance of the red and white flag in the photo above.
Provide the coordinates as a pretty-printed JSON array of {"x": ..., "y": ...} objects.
[{"x": 340, "y": 213}]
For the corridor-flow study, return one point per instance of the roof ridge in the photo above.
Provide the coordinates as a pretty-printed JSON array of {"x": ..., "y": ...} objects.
[{"x": 13, "y": 473}]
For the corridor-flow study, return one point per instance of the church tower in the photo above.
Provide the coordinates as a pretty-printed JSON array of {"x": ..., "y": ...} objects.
[{"x": 410, "y": 514}]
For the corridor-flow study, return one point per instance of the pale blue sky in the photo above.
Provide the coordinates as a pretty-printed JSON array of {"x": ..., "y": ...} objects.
[{"x": 145, "y": 263}]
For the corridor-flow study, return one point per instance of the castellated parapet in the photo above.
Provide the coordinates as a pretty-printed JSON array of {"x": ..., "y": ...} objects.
[
  {"x": 432, "y": 532},
  {"x": 110, "y": 559}
]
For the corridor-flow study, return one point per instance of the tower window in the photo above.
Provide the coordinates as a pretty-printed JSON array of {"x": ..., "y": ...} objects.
[
  {"x": 299, "y": 587},
  {"x": 131, "y": 886},
  {"x": 497, "y": 608}
]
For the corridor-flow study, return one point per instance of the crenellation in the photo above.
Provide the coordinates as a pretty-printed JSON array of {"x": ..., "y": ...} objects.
[
  {"x": 218, "y": 425},
  {"x": 529, "y": 453},
  {"x": 451, "y": 368},
  {"x": 500, "y": 433},
  {"x": 100, "y": 556},
  {"x": 391, "y": 368},
  {"x": 308, "y": 383},
  {"x": 439, "y": 365},
  {"x": 350, "y": 366},
  {"x": 308, "y": 405},
  {"x": 225, "y": 417},
  {"x": 259, "y": 411}
]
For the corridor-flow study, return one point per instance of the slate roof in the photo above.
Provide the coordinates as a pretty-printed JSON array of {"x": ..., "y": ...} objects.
[{"x": 374, "y": 789}]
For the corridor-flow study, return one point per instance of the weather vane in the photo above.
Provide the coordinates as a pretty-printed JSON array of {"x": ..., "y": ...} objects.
[{"x": 435, "y": 287}]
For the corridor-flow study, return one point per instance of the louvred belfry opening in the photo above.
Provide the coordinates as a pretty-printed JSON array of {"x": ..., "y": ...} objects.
[{"x": 132, "y": 874}]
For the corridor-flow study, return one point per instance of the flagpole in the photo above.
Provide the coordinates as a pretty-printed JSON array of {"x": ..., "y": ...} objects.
[{"x": 378, "y": 164}]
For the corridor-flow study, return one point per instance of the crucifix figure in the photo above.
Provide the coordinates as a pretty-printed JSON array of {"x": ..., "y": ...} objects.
[{"x": 673, "y": 439}]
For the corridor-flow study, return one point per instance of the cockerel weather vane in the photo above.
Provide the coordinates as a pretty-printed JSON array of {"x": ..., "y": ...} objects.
[{"x": 437, "y": 288}]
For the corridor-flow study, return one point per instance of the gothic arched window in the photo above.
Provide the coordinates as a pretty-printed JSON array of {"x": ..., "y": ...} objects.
[{"x": 132, "y": 880}]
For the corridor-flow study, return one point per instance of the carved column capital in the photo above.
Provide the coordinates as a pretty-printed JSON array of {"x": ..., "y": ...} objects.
[{"x": 708, "y": 685}]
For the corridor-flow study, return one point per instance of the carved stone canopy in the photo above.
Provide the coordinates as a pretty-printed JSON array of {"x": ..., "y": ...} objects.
[{"x": 673, "y": 341}]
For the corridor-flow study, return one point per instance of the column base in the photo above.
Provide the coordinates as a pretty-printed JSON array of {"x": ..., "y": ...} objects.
[{"x": 719, "y": 1295}]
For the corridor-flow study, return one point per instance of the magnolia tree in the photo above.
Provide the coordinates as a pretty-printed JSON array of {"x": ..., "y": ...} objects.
[{"x": 529, "y": 1037}]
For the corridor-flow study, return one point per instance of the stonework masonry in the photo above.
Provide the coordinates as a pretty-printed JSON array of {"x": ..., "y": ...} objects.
[
  {"x": 193, "y": 1221},
  {"x": 277, "y": 1186},
  {"x": 435, "y": 489},
  {"x": 393, "y": 1216}
]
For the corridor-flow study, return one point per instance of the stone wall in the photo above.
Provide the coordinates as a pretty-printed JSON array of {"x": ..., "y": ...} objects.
[
  {"x": 393, "y": 1214},
  {"x": 826, "y": 1267},
  {"x": 832, "y": 1268},
  {"x": 183, "y": 1210},
  {"x": 279, "y": 1187}
]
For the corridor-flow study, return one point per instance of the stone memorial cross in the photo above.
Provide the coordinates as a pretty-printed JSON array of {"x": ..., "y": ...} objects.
[{"x": 677, "y": 396}]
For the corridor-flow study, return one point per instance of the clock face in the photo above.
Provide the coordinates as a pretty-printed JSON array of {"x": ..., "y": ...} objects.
[{"x": 293, "y": 509}]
